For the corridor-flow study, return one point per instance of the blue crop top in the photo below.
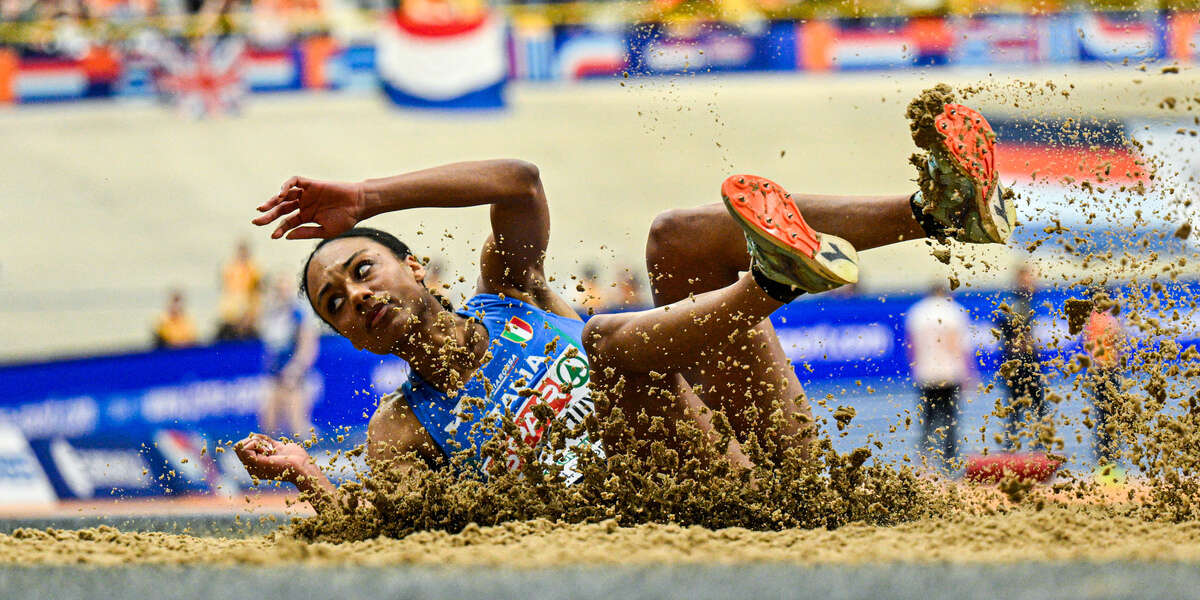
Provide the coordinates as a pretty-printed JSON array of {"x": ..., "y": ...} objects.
[{"x": 535, "y": 357}]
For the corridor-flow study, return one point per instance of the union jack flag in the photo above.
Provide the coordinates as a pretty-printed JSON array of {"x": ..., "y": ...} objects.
[{"x": 205, "y": 81}]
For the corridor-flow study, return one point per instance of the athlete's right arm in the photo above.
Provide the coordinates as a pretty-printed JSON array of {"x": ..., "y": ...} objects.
[
  {"x": 333, "y": 207},
  {"x": 395, "y": 439},
  {"x": 267, "y": 458}
]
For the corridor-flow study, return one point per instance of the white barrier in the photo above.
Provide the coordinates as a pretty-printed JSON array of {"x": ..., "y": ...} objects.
[{"x": 22, "y": 481}]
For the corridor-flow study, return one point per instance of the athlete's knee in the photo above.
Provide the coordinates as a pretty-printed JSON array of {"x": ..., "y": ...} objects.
[
  {"x": 593, "y": 338},
  {"x": 670, "y": 233},
  {"x": 600, "y": 341},
  {"x": 673, "y": 252}
]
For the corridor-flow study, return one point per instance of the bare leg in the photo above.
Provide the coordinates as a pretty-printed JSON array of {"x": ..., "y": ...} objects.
[
  {"x": 680, "y": 336},
  {"x": 864, "y": 221},
  {"x": 299, "y": 407},
  {"x": 691, "y": 251},
  {"x": 656, "y": 408},
  {"x": 271, "y": 408},
  {"x": 636, "y": 356}
]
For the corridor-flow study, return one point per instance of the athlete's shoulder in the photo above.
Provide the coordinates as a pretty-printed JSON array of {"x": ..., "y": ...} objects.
[
  {"x": 393, "y": 409},
  {"x": 394, "y": 430}
]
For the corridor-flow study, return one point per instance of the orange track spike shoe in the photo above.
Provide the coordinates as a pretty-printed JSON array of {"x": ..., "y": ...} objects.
[
  {"x": 961, "y": 196},
  {"x": 783, "y": 248}
]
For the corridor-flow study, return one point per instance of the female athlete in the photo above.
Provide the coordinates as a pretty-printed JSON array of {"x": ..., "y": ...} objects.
[{"x": 517, "y": 348}]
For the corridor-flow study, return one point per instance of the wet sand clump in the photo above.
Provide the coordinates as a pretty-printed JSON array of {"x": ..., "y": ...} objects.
[{"x": 1077, "y": 311}]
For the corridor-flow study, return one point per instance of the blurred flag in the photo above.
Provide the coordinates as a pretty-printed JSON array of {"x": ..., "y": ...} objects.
[
  {"x": 205, "y": 80},
  {"x": 457, "y": 64}
]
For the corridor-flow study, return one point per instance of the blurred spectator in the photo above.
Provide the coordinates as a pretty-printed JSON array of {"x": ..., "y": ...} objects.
[
  {"x": 937, "y": 329},
  {"x": 290, "y": 339},
  {"x": 627, "y": 292},
  {"x": 1102, "y": 338},
  {"x": 590, "y": 296},
  {"x": 440, "y": 288},
  {"x": 241, "y": 296},
  {"x": 1022, "y": 370},
  {"x": 174, "y": 328},
  {"x": 434, "y": 271}
]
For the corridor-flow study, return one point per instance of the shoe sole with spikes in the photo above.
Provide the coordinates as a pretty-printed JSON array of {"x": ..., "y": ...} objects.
[
  {"x": 960, "y": 187},
  {"x": 781, "y": 243}
]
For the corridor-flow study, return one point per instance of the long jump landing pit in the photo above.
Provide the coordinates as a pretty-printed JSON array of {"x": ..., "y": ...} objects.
[{"x": 1061, "y": 551}]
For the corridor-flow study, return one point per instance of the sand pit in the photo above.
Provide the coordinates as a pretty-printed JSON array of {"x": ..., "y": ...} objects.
[
  {"x": 1059, "y": 534},
  {"x": 1062, "y": 552}
]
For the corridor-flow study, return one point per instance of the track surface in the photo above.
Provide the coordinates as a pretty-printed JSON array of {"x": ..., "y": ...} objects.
[
  {"x": 223, "y": 525},
  {"x": 927, "y": 582}
]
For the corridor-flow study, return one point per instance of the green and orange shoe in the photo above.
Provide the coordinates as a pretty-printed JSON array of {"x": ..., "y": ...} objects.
[
  {"x": 783, "y": 248},
  {"x": 960, "y": 194}
]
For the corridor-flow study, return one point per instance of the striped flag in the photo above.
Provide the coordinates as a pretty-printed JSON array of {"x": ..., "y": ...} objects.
[{"x": 454, "y": 65}]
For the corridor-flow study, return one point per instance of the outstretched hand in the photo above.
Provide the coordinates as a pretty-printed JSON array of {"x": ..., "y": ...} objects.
[
  {"x": 267, "y": 458},
  {"x": 333, "y": 206}
]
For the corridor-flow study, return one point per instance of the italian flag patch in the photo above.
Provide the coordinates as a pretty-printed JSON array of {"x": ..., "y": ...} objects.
[{"x": 516, "y": 330}]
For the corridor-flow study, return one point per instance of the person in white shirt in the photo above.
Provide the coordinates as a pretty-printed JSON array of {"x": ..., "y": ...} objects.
[{"x": 937, "y": 342}]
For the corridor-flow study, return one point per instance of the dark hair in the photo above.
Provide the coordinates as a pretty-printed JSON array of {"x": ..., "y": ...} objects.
[
  {"x": 389, "y": 241},
  {"x": 393, "y": 243}
]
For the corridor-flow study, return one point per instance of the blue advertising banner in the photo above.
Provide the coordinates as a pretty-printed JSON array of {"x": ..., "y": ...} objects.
[
  {"x": 217, "y": 389},
  {"x": 862, "y": 336},
  {"x": 150, "y": 423},
  {"x": 659, "y": 49}
]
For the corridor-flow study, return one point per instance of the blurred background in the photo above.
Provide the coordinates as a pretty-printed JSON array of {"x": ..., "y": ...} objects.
[{"x": 143, "y": 319}]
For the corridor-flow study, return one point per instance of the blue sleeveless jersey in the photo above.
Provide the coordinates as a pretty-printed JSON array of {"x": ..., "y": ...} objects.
[{"x": 535, "y": 357}]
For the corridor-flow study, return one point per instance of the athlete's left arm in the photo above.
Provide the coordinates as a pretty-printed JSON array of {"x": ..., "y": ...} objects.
[{"x": 513, "y": 256}]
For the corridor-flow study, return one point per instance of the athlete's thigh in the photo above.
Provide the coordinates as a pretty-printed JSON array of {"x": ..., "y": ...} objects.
[
  {"x": 696, "y": 250},
  {"x": 753, "y": 383},
  {"x": 637, "y": 408}
]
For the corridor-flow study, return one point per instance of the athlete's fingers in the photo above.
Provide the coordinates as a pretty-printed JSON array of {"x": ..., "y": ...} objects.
[
  {"x": 289, "y": 183},
  {"x": 262, "y": 437},
  {"x": 294, "y": 181},
  {"x": 307, "y": 233},
  {"x": 279, "y": 210},
  {"x": 265, "y": 206},
  {"x": 247, "y": 449},
  {"x": 291, "y": 222},
  {"x": 286, "y": 195},
  {"x": 246, "y": 440},
  {"x": 292, "y": 194}
]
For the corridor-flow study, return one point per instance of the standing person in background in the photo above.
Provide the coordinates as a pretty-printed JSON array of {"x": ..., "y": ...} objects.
[
  {"x": 434, "y": 271},
  {"x": 1102, "y": 339},
  {"x": 627, "y": 292},
  {"x": 937, "y": 331},
  {"x": 1022, "y": 370},
  {"x": 241, "y": 296},
  {"x": 290, "y": 338},
  {"x": 174, "y": 328},
  {"x": 590, "y": 296}
]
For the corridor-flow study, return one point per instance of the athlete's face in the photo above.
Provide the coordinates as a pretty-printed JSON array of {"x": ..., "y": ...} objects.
[{"x": 369, "y": 296}]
